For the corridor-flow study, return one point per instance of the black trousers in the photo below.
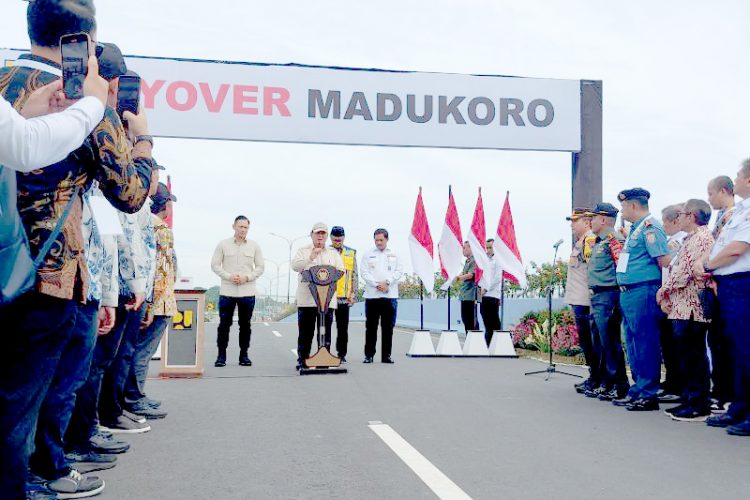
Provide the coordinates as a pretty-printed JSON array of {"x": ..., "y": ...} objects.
[
  {"x": 588, "y": 339},
  {"x": 690, "y": 350},
  {"x": 673, "y": 382},
  {"x": 605, "y": 308},
  {"x": 381, "y": 311},
  {"x": 490, "y": 310},
  {"x": 722, "y": 362},
  {"x": 307, "y": 322},
  {"x": 342, "y": 327},
  {"x": 36, "y": 329},
  {"x": 734, "y": 307},
  {"x": 226, "y": 313},
  {"x": 467, "y": 315}
]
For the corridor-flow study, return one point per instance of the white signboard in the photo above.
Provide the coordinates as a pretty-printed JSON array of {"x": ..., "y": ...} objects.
[{"x": 293, "y": 103}]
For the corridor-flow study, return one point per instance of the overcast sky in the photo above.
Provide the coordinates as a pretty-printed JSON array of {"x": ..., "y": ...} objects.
[{"x": 676, "y": 103}]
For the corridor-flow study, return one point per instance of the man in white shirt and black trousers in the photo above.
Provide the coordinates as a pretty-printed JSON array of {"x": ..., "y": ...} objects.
[{"x": 380, "y": 269}]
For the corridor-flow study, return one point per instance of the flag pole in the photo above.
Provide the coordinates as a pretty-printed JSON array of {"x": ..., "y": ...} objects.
[
  {"x": 449, "y": 308},
  {"x": 421, "y": 304},
  {"x": 502, "y": 300}
]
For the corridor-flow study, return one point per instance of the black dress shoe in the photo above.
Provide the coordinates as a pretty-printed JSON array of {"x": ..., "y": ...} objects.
[
  {"x": 622, "y": 401},
  {"x": 387, "y": 360},
  {"x": 221, "y": 360},
  {"x": 741, "y": 429},
  {"x": 721, "y": 420},
  {"x": 643, "y": 404},
  {"x": 245, "y": 360},
  {"x": 368, "y": 359}
]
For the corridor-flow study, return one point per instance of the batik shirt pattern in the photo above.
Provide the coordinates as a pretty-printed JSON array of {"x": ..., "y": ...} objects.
[{"x": 105, "y": 156}]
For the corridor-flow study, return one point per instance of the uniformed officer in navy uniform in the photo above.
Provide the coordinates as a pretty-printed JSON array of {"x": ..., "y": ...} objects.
[
  {"x": 639, "y": 276},
  {"x": 605, "y": 300}
]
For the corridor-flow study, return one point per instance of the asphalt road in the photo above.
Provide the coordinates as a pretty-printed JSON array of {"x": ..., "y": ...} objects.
[{"x": 263, "y": 432}]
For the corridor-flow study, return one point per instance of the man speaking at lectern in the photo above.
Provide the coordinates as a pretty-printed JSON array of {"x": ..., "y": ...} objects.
[{"x": 315, "y": 254}]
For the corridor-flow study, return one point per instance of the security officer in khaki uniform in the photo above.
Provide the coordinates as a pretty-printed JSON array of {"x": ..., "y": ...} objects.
[
  {"x": 577, "y": 295},
  {"x": 346, "y": 290},
  {"x": 605, "y": 300}
]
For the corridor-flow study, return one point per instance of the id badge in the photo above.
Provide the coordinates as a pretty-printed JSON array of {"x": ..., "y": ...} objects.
[{"x": 622, "y": 263}]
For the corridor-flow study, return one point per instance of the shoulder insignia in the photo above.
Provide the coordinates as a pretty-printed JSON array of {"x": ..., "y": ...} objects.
[
  {"x": 651, "y": 238},
  {"x": 647, "y": 223}
]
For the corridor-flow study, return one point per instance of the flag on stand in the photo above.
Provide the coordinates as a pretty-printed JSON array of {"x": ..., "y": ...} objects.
[
  {"x": 506, "y": 248},
  {"x": 421, "y": 247},
  {"x": 450, "y": 246},
  {"x": 477, "y": 238}
]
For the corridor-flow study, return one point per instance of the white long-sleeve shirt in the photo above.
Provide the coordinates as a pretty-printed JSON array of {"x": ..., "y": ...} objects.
[
  {"x": 27, "y": 145},
  {"x": 495, "y": 278},
  {"x": 378, "y": 266}
]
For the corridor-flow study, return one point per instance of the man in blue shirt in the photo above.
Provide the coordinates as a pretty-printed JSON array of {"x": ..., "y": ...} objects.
[{"x": 639, "y": 275}]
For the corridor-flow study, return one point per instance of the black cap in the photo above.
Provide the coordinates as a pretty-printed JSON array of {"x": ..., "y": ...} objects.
[
  {"x": 111, "y": 61},
  {"x": 337, "y": 231},
  {"x": 629, "y": 194},
  {"x": 579, "y": 213},
  {"x": 160, "y": 199},
  {"x": 606, "y": 209}
]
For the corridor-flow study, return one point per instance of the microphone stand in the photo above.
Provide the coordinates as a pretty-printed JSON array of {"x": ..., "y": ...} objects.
[{"x": 551, "y": 367}]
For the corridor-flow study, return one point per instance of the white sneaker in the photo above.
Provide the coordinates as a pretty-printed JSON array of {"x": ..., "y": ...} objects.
[
  {"x": 135, "y": 418},
  {"x": 125, "y": 426},
  {"x": 74, "y": 485}
]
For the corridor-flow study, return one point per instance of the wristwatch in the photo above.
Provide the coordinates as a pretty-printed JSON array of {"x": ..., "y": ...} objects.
[{"x": 146, "y": 138}]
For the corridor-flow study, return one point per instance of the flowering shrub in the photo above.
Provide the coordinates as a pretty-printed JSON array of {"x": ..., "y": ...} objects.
[{"x": 532, "y": 332}]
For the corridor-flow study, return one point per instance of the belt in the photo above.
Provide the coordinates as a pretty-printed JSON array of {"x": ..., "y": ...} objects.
[
  {"x": 633, "y": 286},
  {"x": 600, "y": 289},
  {"x": 729, "y": 277}
]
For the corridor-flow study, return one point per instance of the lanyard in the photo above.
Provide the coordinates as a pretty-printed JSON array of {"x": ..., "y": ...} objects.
[{"x": 638, "y": 227}]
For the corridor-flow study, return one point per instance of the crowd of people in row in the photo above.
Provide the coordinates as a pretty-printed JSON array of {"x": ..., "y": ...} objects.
[
  {"x": 79, "y": 336},
  {"x": 672, "y": 291}
]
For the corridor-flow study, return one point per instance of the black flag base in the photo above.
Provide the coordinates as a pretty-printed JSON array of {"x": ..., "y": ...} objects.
[{"x": 322, "y": 362}]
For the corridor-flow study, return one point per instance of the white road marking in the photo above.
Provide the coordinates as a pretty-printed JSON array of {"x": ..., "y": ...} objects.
[
  {"x": 438, "y": 482},
  {"x": 265, "y": 324},
  {"x": 276, "y": 333}
]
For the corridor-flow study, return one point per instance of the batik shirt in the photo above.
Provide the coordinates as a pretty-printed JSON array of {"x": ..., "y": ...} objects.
[
  {"x": 164, "y": 303},
  {"x": 101, "y": 256},
  {"x": 105, "y": 156},
  {"x": 137, "y": 246},
  {"x": 682, "y": 286}
]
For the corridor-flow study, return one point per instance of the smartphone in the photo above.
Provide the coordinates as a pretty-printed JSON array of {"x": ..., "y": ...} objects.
[
  {"x": 75, "y": 58},
  {"x": 128, "y": 94}
]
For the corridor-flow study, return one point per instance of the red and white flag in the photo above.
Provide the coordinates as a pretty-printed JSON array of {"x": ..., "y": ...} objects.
[
  {"x": 450, "y": 246},
  {"x": 506, "y": 248},
  {"x": 477, "y": 238},
  {"x": 421, "y": 247}
]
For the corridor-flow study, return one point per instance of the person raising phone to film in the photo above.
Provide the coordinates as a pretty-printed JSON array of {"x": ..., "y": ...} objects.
[{"x": 50, "y": 125}]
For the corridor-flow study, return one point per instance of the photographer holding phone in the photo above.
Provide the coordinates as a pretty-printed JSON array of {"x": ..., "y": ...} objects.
[
  {"x": 42, "y": 361},
  {"x": 45, "y": 131}
]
